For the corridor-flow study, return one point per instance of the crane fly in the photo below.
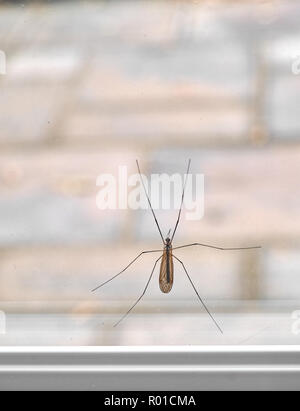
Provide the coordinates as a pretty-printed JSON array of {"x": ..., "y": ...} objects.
[{"x": 166, "y": 276}]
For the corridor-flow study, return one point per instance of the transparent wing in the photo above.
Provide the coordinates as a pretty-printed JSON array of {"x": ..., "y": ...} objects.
[{"x": 166, "y": 276}]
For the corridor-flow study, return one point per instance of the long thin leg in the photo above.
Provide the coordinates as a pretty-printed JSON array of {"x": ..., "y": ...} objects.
[
  {"x": 133, "y": 261},
  {"x": 202, "y": 302},
  {"x": 217, "y": 248},
  {"x": 137, "y": 301},
  {"x": 182, "y": 199},
  {"x": 149, "y": 202}
]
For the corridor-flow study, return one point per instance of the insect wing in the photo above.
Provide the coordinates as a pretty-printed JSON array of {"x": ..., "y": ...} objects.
[{"x": 166, "y": 275}]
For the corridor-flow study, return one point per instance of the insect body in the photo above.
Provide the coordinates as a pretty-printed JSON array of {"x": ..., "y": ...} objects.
[{"x": 166, "y": 276}]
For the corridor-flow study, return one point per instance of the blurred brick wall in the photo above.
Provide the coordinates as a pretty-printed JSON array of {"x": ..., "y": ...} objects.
[{"x": 90, "y": 86}]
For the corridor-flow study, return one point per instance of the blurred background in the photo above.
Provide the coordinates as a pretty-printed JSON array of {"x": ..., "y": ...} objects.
[{"x": 92, "y": 85}]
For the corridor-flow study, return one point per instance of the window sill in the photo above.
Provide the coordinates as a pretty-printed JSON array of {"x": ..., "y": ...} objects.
[{"x": 150, "y": 368}]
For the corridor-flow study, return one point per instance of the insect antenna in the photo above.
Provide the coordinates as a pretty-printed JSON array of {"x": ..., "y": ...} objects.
[{"x": 149, "y": 202}]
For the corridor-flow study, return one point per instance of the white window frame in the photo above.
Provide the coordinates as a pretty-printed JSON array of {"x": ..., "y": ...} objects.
[{"x": 150, "y": 368}]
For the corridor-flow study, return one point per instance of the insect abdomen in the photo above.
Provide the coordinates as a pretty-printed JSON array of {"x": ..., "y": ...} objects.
[{"x": 166, "y": 271}]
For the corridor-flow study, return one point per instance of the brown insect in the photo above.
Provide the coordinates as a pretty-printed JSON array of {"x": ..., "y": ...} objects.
[{"x": 166, "y": 276}]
